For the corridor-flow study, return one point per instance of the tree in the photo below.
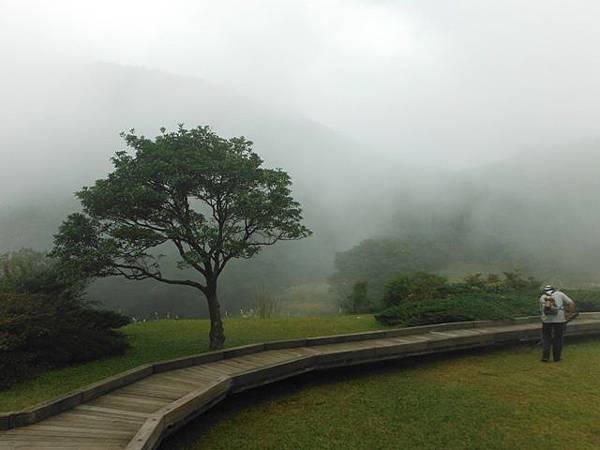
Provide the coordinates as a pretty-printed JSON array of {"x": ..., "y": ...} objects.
[
  {"x": 208, "y": 196},
  {"x": 357, "y": 301},
  {"x": 378, "y": 260}
]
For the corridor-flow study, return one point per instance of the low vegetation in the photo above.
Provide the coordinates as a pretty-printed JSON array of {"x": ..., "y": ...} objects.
[
  {"x": 40, "y": 332},
  {"x": 422, "y": 299},
  {"x": 511, "y": 401},
  {"x": 45, "y": 324}
]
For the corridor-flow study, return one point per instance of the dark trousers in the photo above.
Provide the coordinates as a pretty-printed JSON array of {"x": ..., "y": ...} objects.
[{"x": 552, "y": 338}]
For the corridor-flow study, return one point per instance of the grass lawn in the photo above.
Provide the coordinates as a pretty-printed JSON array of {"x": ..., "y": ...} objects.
[
  {"x": 155, "y": 341},
  {"x": 501, "y": 399}
]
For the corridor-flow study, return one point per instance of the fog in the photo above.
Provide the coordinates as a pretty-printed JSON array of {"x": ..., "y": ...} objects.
[{"x": 467, "y": 121}]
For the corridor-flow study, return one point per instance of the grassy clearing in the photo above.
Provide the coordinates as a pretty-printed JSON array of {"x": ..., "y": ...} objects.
[
  {"x": 503, "y": 399},
  {"x": 155, "y": 341}
]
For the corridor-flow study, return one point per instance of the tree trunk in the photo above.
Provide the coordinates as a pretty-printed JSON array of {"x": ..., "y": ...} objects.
[{"x": 216, "y": 335}]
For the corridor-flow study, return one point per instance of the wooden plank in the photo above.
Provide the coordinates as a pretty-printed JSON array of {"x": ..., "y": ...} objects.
[
  {"x": 128, "y": 422},
  {"x": 49, "y": 436},
  {"x": 178, "y": 379},
  {"x": 186, "y": 361},
  {"x": 259, "y": 359},
  {"x": 130, "y": 398},
  {"x": 294, "y": 353},
  {"x": 212, "y": 374},
  {"x": 139, "y": 398},
  {"x": 241, "y": 366},
  {"x": 155, "y": 381},
  {"x": 270, "y": 359},
  {"x": 110, "y": 412},
  {"x": 164, "y": 394},
  {"x": 58, "y": 445},
  {"x": 200, "y": 373},
  {"x": 91, "y": 422},
  {"x": 218, "y": 370},
  {"x": 124, "y": 405},
  {"x": 70, "y": 430}
]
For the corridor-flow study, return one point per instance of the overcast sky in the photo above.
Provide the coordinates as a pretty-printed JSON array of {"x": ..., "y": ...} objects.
[{"x": 441, "y": 82}]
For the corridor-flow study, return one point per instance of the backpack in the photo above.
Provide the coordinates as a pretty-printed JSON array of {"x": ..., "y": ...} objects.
[{"x": 550, "y": 308}]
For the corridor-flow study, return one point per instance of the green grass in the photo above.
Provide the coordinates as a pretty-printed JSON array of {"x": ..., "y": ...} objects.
[
  {"x": 503, "y": 399},
  {"x": 155, "y": 341}
]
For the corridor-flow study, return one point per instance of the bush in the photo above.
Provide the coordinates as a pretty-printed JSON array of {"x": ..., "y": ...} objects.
[
  {"x": 414, "y": 286},
  {"x": 478, "y": 305},
  {"x": 475, "y": 298},
  {"x": 44, "y": 322},
  {"x": 512, "y": 281},
  {"x": 586, "y": 300},
  {"x": 38, "y": 332},
  {"x": 461, "y": 307}
]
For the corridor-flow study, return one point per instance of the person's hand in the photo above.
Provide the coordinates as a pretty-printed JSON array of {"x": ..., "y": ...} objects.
[{"x": 571, "y": 315}]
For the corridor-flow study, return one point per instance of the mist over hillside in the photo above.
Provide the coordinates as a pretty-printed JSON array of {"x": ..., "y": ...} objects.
[
  {"x": 77, "y": 116},
  {"x": 535, "y": 212},
  {"x": 70, "y": 130}
]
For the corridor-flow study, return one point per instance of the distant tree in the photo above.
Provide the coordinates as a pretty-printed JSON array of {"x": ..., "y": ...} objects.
[
  {"x": 378, "y": 260},
  {"x": 208, "y": 196},
  {"x": 357, "y": 301},
  {"x": 414, "y": 287},
  {"x": 515, "y": 280},
  {"x": 28, "y": 271}
]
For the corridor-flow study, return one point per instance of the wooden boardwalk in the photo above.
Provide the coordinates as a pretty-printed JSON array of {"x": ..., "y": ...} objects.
[{"x": 158, "y": 398}]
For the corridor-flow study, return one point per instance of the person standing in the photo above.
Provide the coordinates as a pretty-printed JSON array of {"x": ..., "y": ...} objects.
[{"x": 556, "y": 309}]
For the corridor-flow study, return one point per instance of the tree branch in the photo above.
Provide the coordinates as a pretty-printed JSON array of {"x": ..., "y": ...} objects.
[{"x": 144, "y": 274}]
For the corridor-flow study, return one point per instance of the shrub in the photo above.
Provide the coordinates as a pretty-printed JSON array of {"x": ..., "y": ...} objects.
[
  {"x": 586, "y": 300},
  {"x": 38, "y": 332},
  {"x": 478, "y": 305},
  {"x": 512, "y": 281},
  {"x": 414, "y": 286},
  {"x": 475, "y": 298},
  {"x": 44, "y": 322},
  {"x": 461, "y": 307},
  {"x": 475, "y": 280}
]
